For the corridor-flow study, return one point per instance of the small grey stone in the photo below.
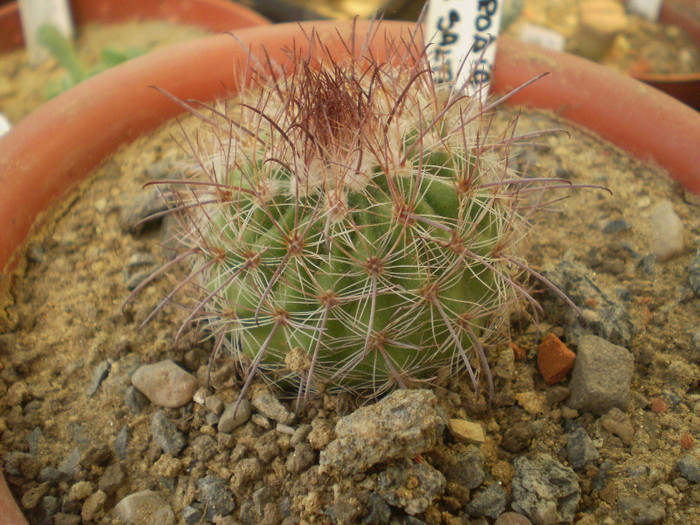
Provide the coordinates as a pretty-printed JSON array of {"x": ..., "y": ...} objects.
[
  {"x": 580, "y": 449},
  {"x": 33, "y": 440},
  {"x": 601, "y": 376},
  {"x": 544, "y": 490},
  {"x": 616, "y": 226},
  {"x": 379, "y": 511},
  {"x": 144, "y": 508},
  {"x": 269, "y": 406},
  {"x": 166, "y": 434},
  {"x": 232, "y": 418},
  {"x": 641, "y": 511},
  {"x": 165, "y": 384},
  {"x": 52, "y": 475},
  {"x": 402, "y": 425},
  {"x": 135, "y": 400},
  {"x": 609, "y": 319},
  {"x": 122, "y": 442},
  {"x": 69, "y": 466},
  {"x": 694, "y": 275},
  {"x": 99, "y": 374},
  {"x": 426, "y": 484},
  {"x": 215, "y": 495},
  {"x": 467, "y": 468},
  {"x": 139, "y": 207},
  {"x": 191, "y": 515},
  {"x": 490, "y": 502},
  {"x": 689, "y": 467}
]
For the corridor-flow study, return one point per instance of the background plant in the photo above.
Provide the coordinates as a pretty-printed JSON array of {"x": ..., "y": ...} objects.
[{"x": 352, "y": 225}]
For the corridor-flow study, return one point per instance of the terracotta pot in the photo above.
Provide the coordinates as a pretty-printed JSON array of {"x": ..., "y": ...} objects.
[
  {"x": 216, "y": 15},
  {"x": 38, "y": 166},
  {"x": 686, "y": 88}
]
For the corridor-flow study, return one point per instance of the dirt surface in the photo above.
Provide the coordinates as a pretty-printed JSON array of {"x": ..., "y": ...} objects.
[
  {"x": 643, "y": 47},
  {"x": 23, "y": 86},
  {"x": 76, "y": 438}
]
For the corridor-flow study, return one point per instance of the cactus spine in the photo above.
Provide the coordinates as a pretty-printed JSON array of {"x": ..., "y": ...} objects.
[{"x": 352, "y": 227}]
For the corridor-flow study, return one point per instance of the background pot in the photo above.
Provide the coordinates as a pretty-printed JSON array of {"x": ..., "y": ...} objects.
[
  {"x": 38, "y": 166},
  {"x": 215, "y": 15},
  {"x": 686, "y": 88}
]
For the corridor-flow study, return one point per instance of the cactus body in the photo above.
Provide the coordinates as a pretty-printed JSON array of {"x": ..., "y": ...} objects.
[{"x": 352, "y": 228}]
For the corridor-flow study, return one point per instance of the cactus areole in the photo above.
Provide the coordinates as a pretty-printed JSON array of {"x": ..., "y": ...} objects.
[{"x": 350, "y": 225}]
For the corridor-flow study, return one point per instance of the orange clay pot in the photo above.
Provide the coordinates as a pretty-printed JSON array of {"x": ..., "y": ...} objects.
[
  {"x": 215, "y": 15},
  {"x": 58, "y": 145}
]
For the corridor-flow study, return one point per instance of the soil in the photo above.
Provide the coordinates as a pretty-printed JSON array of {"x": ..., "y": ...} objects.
[
  {"x": 643, "y": 47},
  {"x": 23, "y": 86},
  {"x": 62, "y": 413}
]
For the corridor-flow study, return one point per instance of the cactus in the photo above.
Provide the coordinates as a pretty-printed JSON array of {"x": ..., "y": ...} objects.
[{"x": 352, "y": 227}]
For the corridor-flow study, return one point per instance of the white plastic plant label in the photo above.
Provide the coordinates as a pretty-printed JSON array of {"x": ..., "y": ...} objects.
[
  {"x": 5, "y": 124},
  {"x": 542, "y": 36},
  {"x": 461, "y": 35},
  {"x": 34, "y": 13},
  {"x": 648, "y": 9}
]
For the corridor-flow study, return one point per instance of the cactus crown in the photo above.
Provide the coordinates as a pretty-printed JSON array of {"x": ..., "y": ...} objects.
[{"x": 352, "y": 225}]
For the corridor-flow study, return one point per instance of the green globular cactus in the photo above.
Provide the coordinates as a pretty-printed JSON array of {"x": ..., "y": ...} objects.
[{"x": 352, "y": 227}]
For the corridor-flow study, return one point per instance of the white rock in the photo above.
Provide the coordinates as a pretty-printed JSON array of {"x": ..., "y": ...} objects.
[
  {"x": 165, "y": 384},
  {"x": 144, "y": 508},
  {"x": 667, "y": 231}
]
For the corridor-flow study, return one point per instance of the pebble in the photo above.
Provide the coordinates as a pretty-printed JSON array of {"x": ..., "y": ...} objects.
[
  {"x": 269, "y": 406},
  {"x": 379, "y": 511},
  {"x": 466, "y": 468},
  {"x": 301, "y": 458},
  {"x": 93, "y": 508},
  {"x": 667, "y": 231},
  {"x": 216, "y": 497},
  {"x": 138, "y": 207},
  {"x": 112, "y": 478},
  {"x": 121, "y": 442},
  {"x": 689, "y": 467},
  {"x": 601, "y": 377},
  {"x": 617, "y": 226},
  {"x": 554, "y": 359},
  {"x": 517, "y": 438},
  {"x": 204, "y": 448},
  {"x": 489, "y": 502},
  {"x": 144, "y": 508},
  {"x": 69, "y": 466},
  {"x": 467, "y": 431},
  {"x": 512, "y": 518},
  {"x": 135, "y": 400},
  {"x": 191, "y": 515},
  {"x": 694, "y": 275},
  {"x": 544, "y": 490},
  {"x": 165, "y": 384},
  {"x": 609, "y": 318},
  {"x": 580, "y": 449},
  {"x": 402, "y": 425},
  {"x": 641, "y": 511},
  {"x": 410, "y": 486},
  {"x": 99, "y": 374},
  {"x": 618, "y": 423},
  {"x": 166, "y": 434},
  {"x": 231, "y": 419}
]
